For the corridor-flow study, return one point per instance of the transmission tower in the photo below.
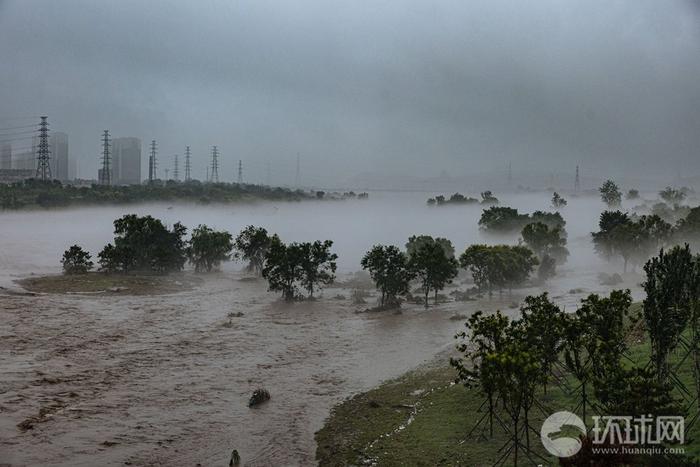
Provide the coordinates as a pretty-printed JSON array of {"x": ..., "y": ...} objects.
[
  {"x": 214, "y": 165},
  {"x": 577, "y": 181},
  {"x": 240, "y": 172},
  {"x": 105, "y": 174},
  {"x": 152, "y": 163},
  {"x": 187, "y": 164},
  {"x": 43, "y": 154},
  {"x": 176, "y": 168}
]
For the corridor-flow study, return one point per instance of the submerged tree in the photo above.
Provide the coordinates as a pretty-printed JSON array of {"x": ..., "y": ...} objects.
[
  {"x": 387, "y": 266},
  {"x": 415, "y": 242},
  {"x": 546, "y": 241},
  {"x": 76, "y": 261},
  {"x": 432, "y": 265},
  {"x": 558, "y": 201},
  {"x": 252, "y": 244},
  {"x": 145, "y": 244},
  {"x": 209, "y": 248},
  {"x": 306, "y": 265},
  {"x": 282, "y": 268},
  {"x": 498, "y": 266},
  {"x": 318, "y": 265},
  {"x": 633, "y": 240},
  {"x": 610, "y": 194}
]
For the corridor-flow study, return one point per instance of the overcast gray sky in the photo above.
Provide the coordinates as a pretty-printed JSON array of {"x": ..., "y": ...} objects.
[{"x": 355, "y": 86}]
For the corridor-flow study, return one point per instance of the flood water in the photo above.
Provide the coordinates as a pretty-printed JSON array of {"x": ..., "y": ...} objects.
[{"x": 165, "y": 380}]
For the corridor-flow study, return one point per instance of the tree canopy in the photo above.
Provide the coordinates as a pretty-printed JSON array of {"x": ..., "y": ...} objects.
[{"x": 208, "y": 248}]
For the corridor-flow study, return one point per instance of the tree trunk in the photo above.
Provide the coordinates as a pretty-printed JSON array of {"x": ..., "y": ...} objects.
[
  {"x": 427, "y": 291},
  {"x": 436, "y": 297}
]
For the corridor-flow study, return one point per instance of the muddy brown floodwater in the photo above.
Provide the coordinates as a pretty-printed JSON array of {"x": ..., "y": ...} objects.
[{"x": 91, "y": 380}]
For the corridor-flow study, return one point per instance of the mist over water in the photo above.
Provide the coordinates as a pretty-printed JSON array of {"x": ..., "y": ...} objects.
[
  {"x": 33, "y": 242},
  {"x": 153, "y": 373}
]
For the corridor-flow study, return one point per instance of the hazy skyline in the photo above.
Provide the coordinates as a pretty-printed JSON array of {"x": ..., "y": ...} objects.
[{"x": 357, "y": 86}]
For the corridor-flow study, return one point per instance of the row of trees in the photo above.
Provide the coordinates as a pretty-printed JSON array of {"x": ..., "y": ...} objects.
[
  {"x": 611, "y": 195},
  {"x": 432, "y": 263},
  {"x": 635, "y": 238},
  {"x": 511, "y": 361},
  {"x": 55, "y": 194},
  {"x": 487, "y": 198},
  {"x": 506, "y": 220},
  {"x": 145, "y": 244}
]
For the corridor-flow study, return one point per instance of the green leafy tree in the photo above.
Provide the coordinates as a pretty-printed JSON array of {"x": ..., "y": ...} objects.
[
  {"x": 517, "y": 263},
  {"x": 485, "y": 335},
  {"x": 603, "y": 321},
  {"x": 481, "y": 263},
  {"x": 670, "y": 295},
  {"x": 415, "y": 242},
  {"x": 145, "y": 244},
  {"x": 252, "y": 244},
  {"x": 633, "y": 194},
  {"x": 610, "y": 194},
  {"x": 306, "y": 265},
  {"x": 208, "y": 248},
  {"x": 387, "y": 266},
  {"x": 546, "y": 241},
  {"x": 498, "y": 266},
  {"x": 76, "y": 261},
  {"x": 633, "y": 240},
  {"x": 502, "y": 219},
  {"x": 542, "y": 327},
  {"x": 318, "y": 265},
  {"x": 283, "y": 268},
  {"x": 578, "y": 335},
  {"x": 515, "y": 371},
  {"x": 432, "y": 265}
]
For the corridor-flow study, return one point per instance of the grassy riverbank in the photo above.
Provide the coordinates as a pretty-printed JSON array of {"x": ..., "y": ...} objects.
[
  {"x": 101, "y": 283},
  {"x": 422, "y": 418}
]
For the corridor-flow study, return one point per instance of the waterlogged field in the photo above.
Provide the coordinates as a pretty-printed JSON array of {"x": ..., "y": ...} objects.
[{"x": 138, "y": 379}]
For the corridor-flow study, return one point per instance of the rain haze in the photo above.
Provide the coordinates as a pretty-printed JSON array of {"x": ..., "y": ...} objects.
[
  {"x": 335, "y": 191},
  {"x": 359, "y": 88}
]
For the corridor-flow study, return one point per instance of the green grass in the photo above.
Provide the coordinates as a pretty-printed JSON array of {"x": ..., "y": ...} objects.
[
  {"x": 356, "y": 431},
  {"x": 96, "y": 282}
]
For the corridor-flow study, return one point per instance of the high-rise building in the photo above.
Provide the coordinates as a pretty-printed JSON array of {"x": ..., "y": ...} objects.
[
  {"x": 126, "y": 161},
  {"x": 59, "y": 156},
  {"x": 6, "y": 156}
]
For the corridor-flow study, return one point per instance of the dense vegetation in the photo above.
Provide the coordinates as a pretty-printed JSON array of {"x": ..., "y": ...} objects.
[{"x": 31, "y": 193}]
